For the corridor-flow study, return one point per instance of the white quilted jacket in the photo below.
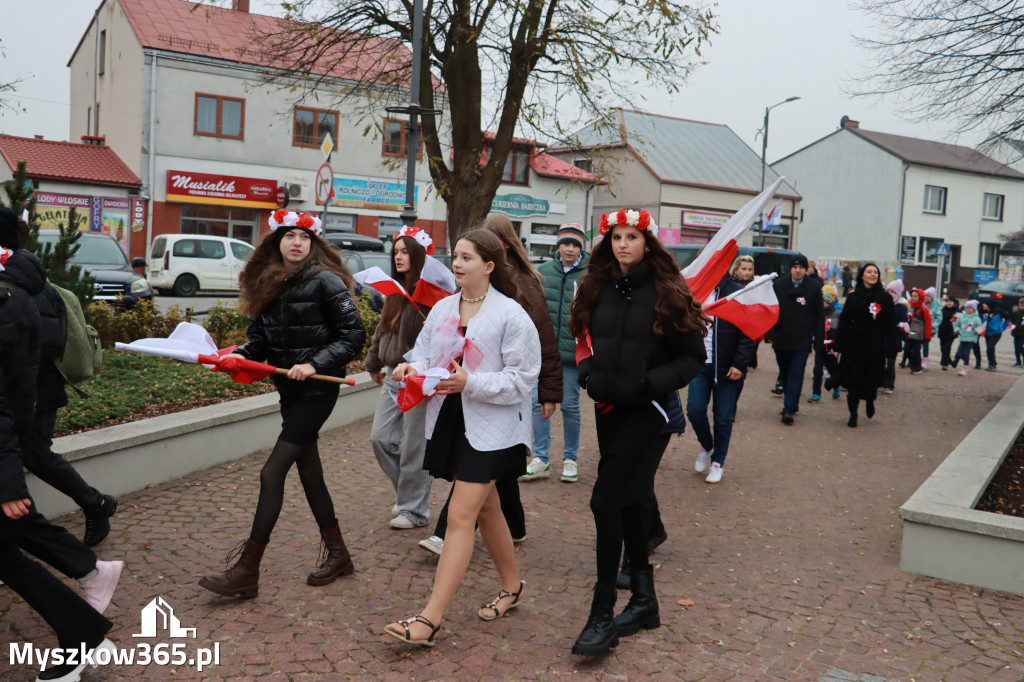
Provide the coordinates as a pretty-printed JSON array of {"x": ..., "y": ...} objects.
[{"x": 497, "y": 400}]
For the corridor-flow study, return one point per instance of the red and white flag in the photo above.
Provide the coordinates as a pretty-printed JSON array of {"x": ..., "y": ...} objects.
[
  {"x": 381, "y": 281},
  {"x": 754, "y": 309},
  {"x": 711, "y": 264},
  {"x": 436, "y": 282}
]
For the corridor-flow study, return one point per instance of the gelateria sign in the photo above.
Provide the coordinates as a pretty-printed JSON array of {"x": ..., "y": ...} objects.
[
  {"x": 520, "y": 205},
  {"x": 222, "y": 190}
]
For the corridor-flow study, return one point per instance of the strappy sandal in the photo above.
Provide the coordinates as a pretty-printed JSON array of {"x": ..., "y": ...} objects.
[
  {"x": 493, "y": 606},
  {"x": 429, "y": 641}
]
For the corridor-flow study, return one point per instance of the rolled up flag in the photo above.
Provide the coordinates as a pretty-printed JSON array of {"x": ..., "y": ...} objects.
[{"x": 190, "y": 342}]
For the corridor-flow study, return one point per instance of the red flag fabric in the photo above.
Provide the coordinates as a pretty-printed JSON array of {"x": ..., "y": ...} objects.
[
  {"x": 242, "y": 371},
  {"x": 379, "y": 280},
  {"x": 411, "y": 395},
  {"x": 436, "y": 282},
  {"x": 754, "y": 309},
  {"x": 704, "y": 281},
  {"x": 584, "y": 349}
]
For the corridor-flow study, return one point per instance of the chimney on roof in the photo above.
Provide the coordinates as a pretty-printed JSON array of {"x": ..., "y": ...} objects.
[
  {"x": 847, "y": 122},
  {"x": 39, "y": 137},
  {"x": 240, "y": 5},
  {"x": 98, "y": 140}
]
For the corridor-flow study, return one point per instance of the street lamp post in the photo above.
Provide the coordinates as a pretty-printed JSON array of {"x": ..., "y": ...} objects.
[
  {"x": 764, "y": 149},
  {"x": 414, "y": 110}
]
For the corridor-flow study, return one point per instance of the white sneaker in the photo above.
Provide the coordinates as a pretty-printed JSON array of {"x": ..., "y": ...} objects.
[
  {"x": 570, "y": 472},
  {"x": 98, "y": 588},
  {"x": 433, "y": 544},
  {"x": 537, "y": 468},
  {"x": 715, "y": 473},
  {"x": 402, "y": 522},
  {"x": 71, "y": 672},
  {"x": 703, "y": 459}
]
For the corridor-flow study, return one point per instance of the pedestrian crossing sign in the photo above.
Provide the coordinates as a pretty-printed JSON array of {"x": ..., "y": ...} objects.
[{"x": 943, "y": 250}]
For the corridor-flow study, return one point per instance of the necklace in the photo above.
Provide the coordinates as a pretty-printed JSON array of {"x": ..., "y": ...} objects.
[{"x": 473, "y": 300}]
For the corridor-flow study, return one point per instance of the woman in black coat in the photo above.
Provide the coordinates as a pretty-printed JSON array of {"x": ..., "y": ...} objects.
[
  {"x": 867, "y": 327},
  {"x": 647, "y": 338},
  {"x": 297, "y": 292}
]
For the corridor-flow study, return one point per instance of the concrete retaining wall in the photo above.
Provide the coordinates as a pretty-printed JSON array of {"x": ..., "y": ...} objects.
[
  {"x": 128, "y": 457},
  {"x": 943, "y": 535}
]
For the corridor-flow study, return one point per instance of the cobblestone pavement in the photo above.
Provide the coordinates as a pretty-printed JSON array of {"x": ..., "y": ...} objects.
[{"x": 787, "y": 570}]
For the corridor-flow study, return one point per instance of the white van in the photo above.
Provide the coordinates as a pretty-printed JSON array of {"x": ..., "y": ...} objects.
[{"x": 187, "y": 263}]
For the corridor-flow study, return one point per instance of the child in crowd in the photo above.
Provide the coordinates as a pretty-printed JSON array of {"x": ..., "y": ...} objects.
[
  {"x": 895, "y": 289},
  {"x": 994, "y": 324},
  {"x": 920, "y": 319},
  {"x": 967, "y": 325},
  {"x": 935, "y": 308},
  {"x": 827, "y": 360},
  {"x": 947, "y": 332}
]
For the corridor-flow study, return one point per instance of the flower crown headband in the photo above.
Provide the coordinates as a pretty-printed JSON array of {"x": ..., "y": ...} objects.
[
  {"x": 641, "y": 220},
  {"x": 421, "y": 237},
  {"x": 289, "y": 219}
]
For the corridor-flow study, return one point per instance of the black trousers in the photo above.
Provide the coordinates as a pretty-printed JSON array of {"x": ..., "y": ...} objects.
[
  {"x": 946, "y": 345},
  {"x": 631, "y": 446},
  {"x": 511, "y": 508},
  {"x": 54, "y": 470},
  {"x": 72, "y": 619},
  {"x": 55, "y": 545},
  {"x": 990, "y": 347}
]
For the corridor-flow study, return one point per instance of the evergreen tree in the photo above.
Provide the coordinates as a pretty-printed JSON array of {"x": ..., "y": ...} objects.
[{"x": 56, "y": 257}]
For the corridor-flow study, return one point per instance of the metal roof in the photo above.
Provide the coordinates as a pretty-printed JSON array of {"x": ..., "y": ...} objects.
[
  {"x": 938, "y": 154},
  {"x": 681, "y": 151}
]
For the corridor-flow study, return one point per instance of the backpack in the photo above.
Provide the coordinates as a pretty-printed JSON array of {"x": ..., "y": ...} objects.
[{"x": 81, "y": 352}]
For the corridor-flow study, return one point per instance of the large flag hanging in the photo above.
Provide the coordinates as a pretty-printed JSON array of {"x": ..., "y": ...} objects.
[
  {"x": 190, "y": 342},
  {"x": 754, "y": 309},
  {"x": 704, "y": 273},
  {"x": 436, "y": 282},
  {"x": 381, "y": 281}
]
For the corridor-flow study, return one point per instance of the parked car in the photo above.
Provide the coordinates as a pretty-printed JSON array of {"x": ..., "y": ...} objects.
[
  {"x": 188, "y": 263},
  {"x": 100, "y": 256},
  {"x": 358, "y": 261},
  {"x": 350, "y": 241},
  {"x": 766, "y": 260},
  {"x": 1001, "y": 296}
]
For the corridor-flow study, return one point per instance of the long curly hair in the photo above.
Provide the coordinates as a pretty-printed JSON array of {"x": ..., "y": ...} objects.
[
  {"x": 263, "y": 278},
  {"x": 503, "y": 228},
  {"x": 489, "y": 248},
  {"x": 675, "y": 307},
  {"x": 391, "y": 315}
]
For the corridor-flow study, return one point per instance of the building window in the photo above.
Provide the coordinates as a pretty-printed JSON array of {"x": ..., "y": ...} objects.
[
  {"x": 992, "y": 207},
  {"x": 517, "y": 167},
  {"x": 988, "y": 254},
  {"x": 934, "y": 199},
  {"x": 220, "y": 221},
  {"x": 927, "y": 250},
  {"x": 584, "y": 165},
  {"x": 312, "y": 125},
  {"x": 102, "y": 66},
  {"x": 395, "y": 141},
  {"x": 219, "y": 116}
]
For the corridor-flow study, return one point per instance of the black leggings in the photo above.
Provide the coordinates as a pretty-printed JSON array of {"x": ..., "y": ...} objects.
[
  {"x": 302, "y": 420},
  {"x": 631, "y": 447}
]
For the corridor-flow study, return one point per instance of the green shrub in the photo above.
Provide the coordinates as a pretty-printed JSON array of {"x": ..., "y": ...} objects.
[
  {"x": 227, "y": 324},
  {"x": 370, "y": 319},
  {"x": 142, "y": 321}
]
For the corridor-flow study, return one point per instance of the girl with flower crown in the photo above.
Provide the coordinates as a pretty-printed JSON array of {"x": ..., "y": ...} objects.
[
  {"x": 399, "y": 439},
  {"x": 644, "y": 335},
  {"x": 297, "y": 292}
]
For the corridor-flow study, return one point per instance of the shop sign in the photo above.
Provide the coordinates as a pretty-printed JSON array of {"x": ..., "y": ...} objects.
[
  {"x": 704, "y": 219},
  {"x": 984, "y": 276},
  {"x": 376, "y": 195},
  {"x": 138, "y": 215},
  {"x": 669, "y": 235},
  {"x": 222, "y": 190},
  {"x": 520, "y": 205},
  {"x": 908, "y": 250},
  {"x": 52, "y": 210}
]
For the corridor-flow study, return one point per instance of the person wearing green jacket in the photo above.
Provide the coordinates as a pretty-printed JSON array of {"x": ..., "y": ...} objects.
[
  {"x": 967, "y": 324},
  {"x": 560, "y": 277}
]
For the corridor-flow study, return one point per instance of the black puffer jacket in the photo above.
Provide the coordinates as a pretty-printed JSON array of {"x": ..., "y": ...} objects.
[
  {"x": 801, "y": 315},
  {"x": 729, "y": 346},
  {"x": 631, "y": 364},
  {"x": 52, "y": 394},
  {"x": 314, "y": 320},
  {"x": 19, "y": 363}
]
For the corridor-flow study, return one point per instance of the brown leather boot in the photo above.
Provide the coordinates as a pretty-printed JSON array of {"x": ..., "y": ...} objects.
[
  {"x": 242, "y": 579},
  {"x": 334, "y": 560}
]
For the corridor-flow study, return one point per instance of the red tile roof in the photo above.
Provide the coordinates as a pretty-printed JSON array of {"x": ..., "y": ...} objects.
[
  {"x": 224, "y": 33},
  {"x": 67, "y": 161},
  {"x": 549, "y": 166}
]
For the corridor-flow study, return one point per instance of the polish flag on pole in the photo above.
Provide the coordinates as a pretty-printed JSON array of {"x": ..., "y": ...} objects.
[
  {"x": 379, "y": 280},
  {"x": 436, "y": 282},
  {"x": 704, "y": 273},
  {"x": 190, "y": 342},
  {"x": 772, "y": 217},
  {"x": 754, "y": 309}
]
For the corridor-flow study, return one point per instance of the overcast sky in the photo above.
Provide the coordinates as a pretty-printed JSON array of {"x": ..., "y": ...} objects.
[{"x": 765, "y": 53}]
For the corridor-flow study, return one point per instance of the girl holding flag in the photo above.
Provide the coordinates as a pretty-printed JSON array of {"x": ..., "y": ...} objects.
[
  {"x": 399, "y": 439},
  {"x": 297, "y": 292},
  {"x": 646, "y": 340},
  {"x": 478, "y": 423}
]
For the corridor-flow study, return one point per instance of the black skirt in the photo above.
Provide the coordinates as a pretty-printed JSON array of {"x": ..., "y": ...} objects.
[{"x": 450, "y": 456}]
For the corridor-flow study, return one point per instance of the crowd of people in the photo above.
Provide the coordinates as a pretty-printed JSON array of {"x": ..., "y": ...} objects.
[{"x": 508, "y": 348}]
